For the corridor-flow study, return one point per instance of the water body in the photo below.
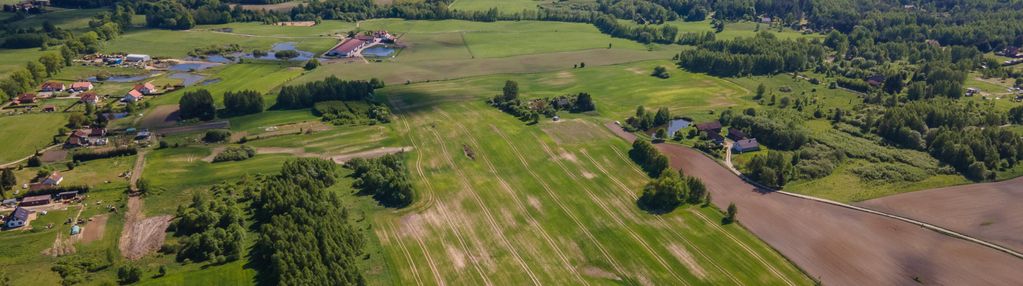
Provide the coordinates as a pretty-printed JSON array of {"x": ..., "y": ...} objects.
[
  {"x": 192, "y": 66},
  {"x": 284, "y": 46},
  {"x": 676, "y": 125},
  {"x": 122, "y": 78},
  {"x": 378, "y": 51},
  {"x": 188, "y": 79},
  {"x": 210, "y": 81}
]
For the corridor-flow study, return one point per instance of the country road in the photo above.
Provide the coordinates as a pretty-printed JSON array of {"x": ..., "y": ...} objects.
[{"x": 845, "y": 246}]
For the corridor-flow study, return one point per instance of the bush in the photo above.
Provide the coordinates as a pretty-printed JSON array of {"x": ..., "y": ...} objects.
[
  {"x": 214, "y": 136},
  {"x": 87, "y": 155},
  {"x": 129, "y": 273},
  {"x": 235, "y": 154},
  {"x": 286, "y": 54}
]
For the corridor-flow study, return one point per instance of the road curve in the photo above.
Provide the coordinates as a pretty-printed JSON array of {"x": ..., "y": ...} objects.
[{"x": 843, "y": 246}]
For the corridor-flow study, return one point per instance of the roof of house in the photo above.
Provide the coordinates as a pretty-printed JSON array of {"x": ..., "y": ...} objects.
[
  {"x": 61, "y": 194},
  {"x": 708, "y": 125},
  {"x": 88, "y": 96},
  {"x": 349, "y": 46},
  {"x": 27, "y": 96},
  {"x": 736, "y": 133},
  {"x": 9, "y": 201},
  {"x": 97, "y": 131},
  {"x": 148, "y": 85},
  {"x": 52, "y": 85},
  {"x": 134, "y": 93},
  {"x": 20, "y": 213},
  {"x": 36, "y": 198},
  {"x": 80, "y": 133},
  {"x": 56, "y": 176},
  {"x": 747, "y": 144},
  {"x": 81, "y": 84}
]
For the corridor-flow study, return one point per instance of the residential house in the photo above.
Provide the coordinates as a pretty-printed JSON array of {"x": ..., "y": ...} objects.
[
  {"x": 10, "y": 203},
  {"x": 25, "y": 98},
  {"x": 18, "y": 218},
  {"x": 735, "y": 134},
  {"x": 35, "y": 200},
  {"x": 746, "y": 145},
  {"x": 384, "y": 36},
  {"x": 52, "y": 86},
  {"x": 97, "y": 132},
  {"x": 146, "y": 88},
  {"x": 78, "y": 138},
  {"x": 53, "y": 179},
  {"x": 81, "y": 86},
  {"x": 132, "y": 96},
  {"x": 137, "y": 58},
  {"x": 89, "y": 98}
]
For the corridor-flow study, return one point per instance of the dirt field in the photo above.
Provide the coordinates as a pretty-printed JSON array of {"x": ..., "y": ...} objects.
[
  {"x": 223, "y": 124},
  {"x": 161, "y": 116},
  {"x": 95, "y": 229},
  {"x": 841, "y": 246},
  {"x": 141, "y": 235},
  {"x": 991, "y": 211},
  {"x": 54, "y": 155}
]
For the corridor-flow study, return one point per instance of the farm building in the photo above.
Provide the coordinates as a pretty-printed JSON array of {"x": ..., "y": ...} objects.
[
  {"x": 53, "y": 179},
  {"x": 78, "y": 138},
  {"x": 89, "y": 98},
  {"x": 52, "y": 86},
  {"x": 35, "y": 200},
  {"x": 10, "y": 203},
  {"x": 972, "y": 91},
  {"x": 80, "y": 86},
  {"x": 746, "y": 145},
  {"x": 146, "y": 88},
  {"x": 67, "y": 195},
  {"x": 98, "y": 132},
  {"x": 347, "y": 49},
  {"x": 735, "y": 134},
  {"x": 132, "y": 96},
  {"x": 25, "y": 98},
  {"x": 137, "y": 58},
  {"x": 75, "y": 229},
  {"x": 17, "y": 218},
  {"x": 716, "y": 137},
  {"x": 709, "y": 127}
]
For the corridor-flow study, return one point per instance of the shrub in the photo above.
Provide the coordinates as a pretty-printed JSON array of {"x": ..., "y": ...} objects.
[
  {"x": 235, "y": 154},
  {"x": 129, "y": 273},
  {"x": 87, "y": 155},
  {"x": 214, "y": 136}
]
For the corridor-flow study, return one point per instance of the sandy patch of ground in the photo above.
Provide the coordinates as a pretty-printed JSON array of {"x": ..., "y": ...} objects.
[
  {"x": 94, "y": 229},
  {"x": 687, "y": 259},
  {"x": 141, "y": 235},
  {"x": 535, "y": 203},
  {"x": 457, "y": 257},
  {"x": 639, "y": 71},
  {"x": 588, "y": 175},
  {"x": 593, "y": 271},
  {"x": 841, "y": 246},
  {"x": 213, "y": 154}
]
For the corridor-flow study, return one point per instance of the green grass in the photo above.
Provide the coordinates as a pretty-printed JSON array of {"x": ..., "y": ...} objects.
[
  {"x": 177, "y": 44},
  {"x": 564, "y": 183},
  {"x": 257, "y": 123},
  {"x": 503, "y": 6},
  {"x": 233, "y": 273},
  {"x": 75, "y": 20},
  {"x": 259, "y": 76},
  {"x": 15, "y": 59},
  {"x": 24, "y": 134}
]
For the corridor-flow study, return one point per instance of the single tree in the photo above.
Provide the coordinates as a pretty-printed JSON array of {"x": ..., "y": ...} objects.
[
  {"x": 661, "y": 134},
  {"x": 7, "y": 181},
  {"x": 761, "y": 89},
  {"x": 730, "y": 213},
  {"x": 511, "y": 90}
]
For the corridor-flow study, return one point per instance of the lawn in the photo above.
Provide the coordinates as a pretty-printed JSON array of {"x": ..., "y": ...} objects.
[
  {"x": 258, "y": 76},
  {"x": 26, "y": 133},
  {"x": 14, "y": 59},
  {"x": 533, "y": 205},
  {"x": 177, "y": 44}
]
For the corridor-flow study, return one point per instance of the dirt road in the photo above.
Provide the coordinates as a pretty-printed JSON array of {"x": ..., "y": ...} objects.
[
  {"x": 990, "y": 211},
  {"x": 841, "y": 246}
]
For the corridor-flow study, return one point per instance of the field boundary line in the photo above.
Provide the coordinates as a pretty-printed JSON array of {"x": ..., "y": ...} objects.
[
  {"x": 466, "y": 44},
  {"x": 510, "y": 192},
  {"x": 486, "y": 211},
  {"x": 661, "y": 220},
  {"x": 608, "y": 211},
  {"x": 557, "y": 200}
]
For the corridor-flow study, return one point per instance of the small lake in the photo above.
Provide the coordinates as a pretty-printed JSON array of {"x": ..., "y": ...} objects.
[
  {"x": 210, "y": 81},
  {"x": 122, "y": 78},
  {"x": 213, "y": 58},
  {"x": 676, "y": 125},
  {"x": 192, "y": 66},
  {"x": 272, "y": 53},
  {"x": 378, "y": 51},
  {"x": 188, "y": 79}
]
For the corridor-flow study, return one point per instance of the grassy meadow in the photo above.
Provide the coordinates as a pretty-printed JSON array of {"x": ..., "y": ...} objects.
[{"x": 28, "y": 133}]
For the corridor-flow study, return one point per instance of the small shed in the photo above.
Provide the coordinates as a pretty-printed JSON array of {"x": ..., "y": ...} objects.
[{"x": 10, "y": 202}]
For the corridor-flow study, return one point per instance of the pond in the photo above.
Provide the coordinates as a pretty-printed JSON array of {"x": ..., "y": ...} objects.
[
  {"x": 272, "y": 54},
  {"x": 378, "y": 51},
  {"x": 188, "y": 79},
  {"x": 192, "y": 66},
  {"x": 122, "y": 78},
  {"x": 213, "y": 58},
  {"x": 210, "y": 81},
  {"x": 676, "y": 125}
]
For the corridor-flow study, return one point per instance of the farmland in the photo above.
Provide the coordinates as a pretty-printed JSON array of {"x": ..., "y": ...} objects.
[{"x": 35, "y": 131}]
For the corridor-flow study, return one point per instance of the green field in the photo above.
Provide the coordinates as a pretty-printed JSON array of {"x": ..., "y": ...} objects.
[
  {"x": 560, "y": 210},
  {"x": 177, "y": 44},
  {"x": 503, "y": 6},
  {"x": 24, "y": 134}
]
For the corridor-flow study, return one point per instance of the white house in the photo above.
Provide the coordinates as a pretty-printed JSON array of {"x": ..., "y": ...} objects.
[
  {"x": 54, "y": 179},
  {"x": 137, "y": 58}
]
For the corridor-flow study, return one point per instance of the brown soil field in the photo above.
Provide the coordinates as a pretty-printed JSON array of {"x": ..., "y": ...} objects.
[
  {"x": 161, "y": 116},
  {"x": 989, "y": 211},
  {"x": 54, "y": 155},
  {"x": 841, "y": 246},
  {"x": 141, "y": 235},
  {"x": 94, "y": 229}
]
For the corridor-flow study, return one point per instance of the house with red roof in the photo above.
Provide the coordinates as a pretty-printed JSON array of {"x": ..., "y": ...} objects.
[
  {"x": 25, "y": 98},
  {"x": 52, "y": 86},
  {"x": 146, "y": 88},
  {"x": 133, "y": 96},
  {"x": 78, "y": 138},
  {"x": 347, "y": 49},
  {"x": 81, "y": 86},
  {"x": 89, "y": 98}
]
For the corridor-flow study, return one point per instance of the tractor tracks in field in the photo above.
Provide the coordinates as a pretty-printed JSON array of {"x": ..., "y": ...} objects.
[
  {"x": 441, "y": 208},
  {"x": 550, "y": 192},
  {"x": 757, "y": 256},
  {"x": 607, "y": 210},
  {"x": 511, "y": 193},
  {"x": 404, "y": 250},
  {"x": 486, "y": 212}
]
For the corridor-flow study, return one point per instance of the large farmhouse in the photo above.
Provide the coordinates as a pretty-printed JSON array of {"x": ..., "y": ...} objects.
[{"x": 347, "y": 49}]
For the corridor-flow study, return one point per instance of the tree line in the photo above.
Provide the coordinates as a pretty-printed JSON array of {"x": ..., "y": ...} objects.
[
  {"x": 763, "y": 54},
  {"x": 331, "y": 88}
]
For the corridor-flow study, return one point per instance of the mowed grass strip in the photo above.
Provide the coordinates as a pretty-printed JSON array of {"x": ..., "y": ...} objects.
[
  {"x": 640, "y": 248},
  {"x": 24, "y": 134}
]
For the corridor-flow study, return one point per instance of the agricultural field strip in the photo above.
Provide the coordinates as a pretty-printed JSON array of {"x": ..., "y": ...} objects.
[
  {"x": 490, "y": 218},
  {"x": 511, "y": 193},
  {"x": 561, "y": 205},
  {"x": 607, "y": 210},
  {"x": 710, "y": 222},
  {"x": 404, "y": 250},
  {"x": 440, "y": 205},
  {"x": 661, "y": 221}
]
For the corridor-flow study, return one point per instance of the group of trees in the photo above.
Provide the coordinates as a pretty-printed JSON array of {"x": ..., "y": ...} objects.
[
  {"x": 331, "y": 88},
  {"x": 763, "y": 54},
  {"x": 648, "y": 158},
  {"x": 243, "y": 102},
  {"x": 306, "y": 236},
  {"x": 771, "y": 132},
  {"x": 671, "y": 190},
  {"x": 384, "y": 178},
  {"x": 530, "y": 110},
  {"x": 232, "y": 153},
  {"x": 352, "y": 112},
  {"x": 197, "y": 105},
  {"x": 644, "y": 120},
  {"x": 773, "y": 170},
  {"x": 211, "y": 227}
]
